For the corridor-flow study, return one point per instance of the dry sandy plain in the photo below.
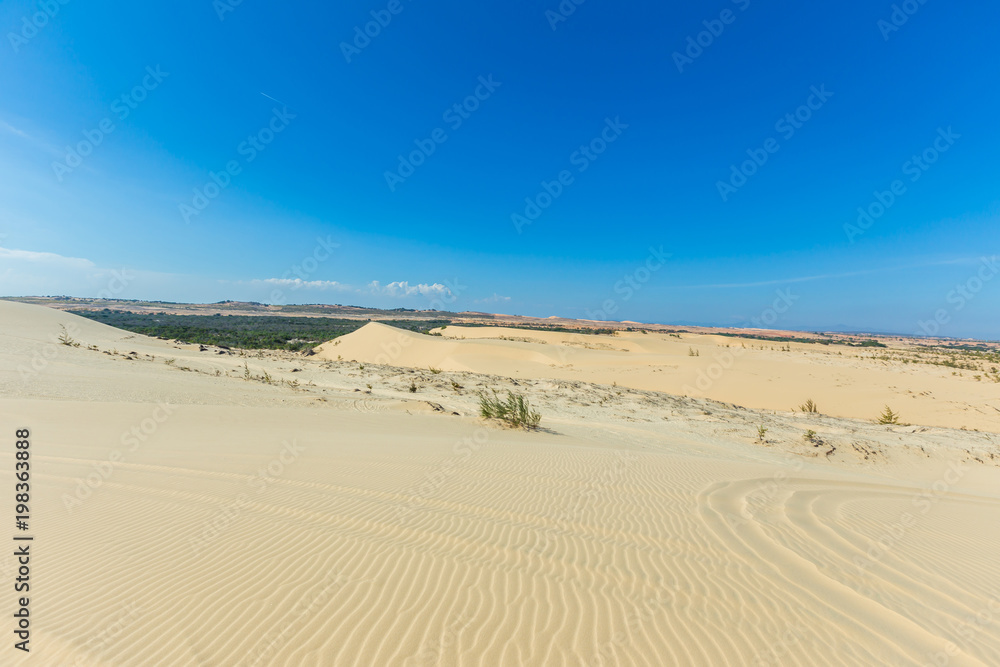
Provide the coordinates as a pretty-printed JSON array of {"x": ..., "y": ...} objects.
[{"x": 198, "y": 507}]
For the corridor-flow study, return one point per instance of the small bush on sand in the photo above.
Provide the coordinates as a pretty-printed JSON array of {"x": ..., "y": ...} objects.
[
  {"x": 515, "y": 410},
  {"x": 888, "y": 417},
  {"x": 413, "y": 387},
  {"x": 65, "y": 338},
  {"x": 809, "y": 406},
  {"x": 761, "y": 432}
]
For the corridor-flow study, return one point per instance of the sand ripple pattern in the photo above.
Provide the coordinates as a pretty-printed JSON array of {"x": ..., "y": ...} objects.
[{"x": 527, "y": 553}]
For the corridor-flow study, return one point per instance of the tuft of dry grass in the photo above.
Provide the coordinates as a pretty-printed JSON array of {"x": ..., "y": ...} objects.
[{"x": 515, "y": 410}]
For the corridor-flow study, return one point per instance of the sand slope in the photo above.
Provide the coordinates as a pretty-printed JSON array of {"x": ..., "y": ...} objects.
[
  {"x": 844, "y": 381},
  {"x": 261, "y": 524}
]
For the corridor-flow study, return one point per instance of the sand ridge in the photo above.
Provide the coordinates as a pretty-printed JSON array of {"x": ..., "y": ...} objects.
[{"x": 844, "y": 381}]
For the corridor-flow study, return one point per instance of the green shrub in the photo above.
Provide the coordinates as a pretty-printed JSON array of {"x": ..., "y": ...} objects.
[
  {"x": 809, "y": 406},
  {"x": 888, "y": 417},
  {"x": 515, "y": 410}
]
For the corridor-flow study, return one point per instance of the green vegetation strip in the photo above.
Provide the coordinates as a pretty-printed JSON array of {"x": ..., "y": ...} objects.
[{"x": 250, "y": 332}]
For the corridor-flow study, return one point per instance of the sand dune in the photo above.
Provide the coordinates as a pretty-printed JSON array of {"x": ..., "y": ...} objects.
[
  {"x": 306, "y": 521},
  {"x": 844, "y": 381}
]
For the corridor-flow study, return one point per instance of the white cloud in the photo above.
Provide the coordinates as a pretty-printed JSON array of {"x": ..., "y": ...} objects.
[
  {"x": 405, "y": 289},
  {"x": 298, "y": 283},
  {"x": 496, "y": 298},
  {"x": 13, "y": 130},
  {"x": 396, "y": 290},
  {"x": 827, "y": 276},
  {"x": 31, "y": 273},
  {"x": 34, "y": 141},
  {"x": 50, "y": 258}
]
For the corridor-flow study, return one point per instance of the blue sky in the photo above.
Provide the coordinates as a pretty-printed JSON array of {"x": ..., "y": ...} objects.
[{"x": 626, "y": 148}]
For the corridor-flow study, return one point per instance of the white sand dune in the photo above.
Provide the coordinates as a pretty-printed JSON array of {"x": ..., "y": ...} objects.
[
  {"x": 185, "y": 516},
  {"x": 844, "y": 381}
]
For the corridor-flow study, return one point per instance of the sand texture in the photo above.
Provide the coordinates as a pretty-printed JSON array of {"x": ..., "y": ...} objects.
[{"x": 204, "y": 507}]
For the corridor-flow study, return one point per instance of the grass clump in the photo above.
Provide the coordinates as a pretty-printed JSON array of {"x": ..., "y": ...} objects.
[
  {"x": 515, "y": 410},
  {"x": 434, "y": 371},
  {"x": 809, "y": 406},
  {"x": 761, "y": 432},
  {"x": 888, "y": 417},
  {"x": 65, "y": 338}
]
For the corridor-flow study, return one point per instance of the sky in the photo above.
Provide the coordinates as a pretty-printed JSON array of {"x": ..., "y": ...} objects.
[{"x": 731, "y": 163}]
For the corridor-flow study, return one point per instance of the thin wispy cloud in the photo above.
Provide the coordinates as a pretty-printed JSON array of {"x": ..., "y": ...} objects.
[
  {"x": 13, "y": 130},
  {"x": 49, "y": 258},
  {"x": 33, "y": 140},
  {"x": 496, "y": 298},
  {"x": 831, "y": 276},
  {"x": 396, "y": 289},
  {"x": 298, "y": 283}
]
